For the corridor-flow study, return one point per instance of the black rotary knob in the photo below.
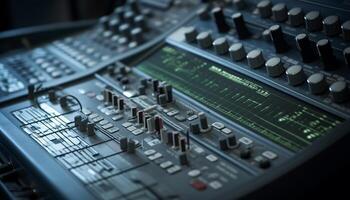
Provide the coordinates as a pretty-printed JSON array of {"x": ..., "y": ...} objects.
[
  {"x": 304, "y": 46},
  {"x": 264, "y": 8},
  {"x": 339, "y": 91},
  {"x": 203, "y": 13},
  {"x": 134, "y": 6},
  {"x": 239, "y": 4},
  {"x": 279, "y": 12},
  {"x": 313, "y": 21},
  {"x": 346, "y": 54},
  {"x": 190, "y": 33},
  {"x": 141, "y": 21},
  {"x": 137, "y": 35},
  {"x": 219, "y": 18},
  {"x": 129, "y": 17},
  {"x": 277, "y": 38},
  {"x": 295, "y": 16},
  {"x": 104, "y": 22},
  {"x": 240, "y": 26},
  {"x": 119, "y": 12},
  {"x": 325, "y": 52},
  {"x": 331, "y": 25},
  {"x": 346, "y": 30}
]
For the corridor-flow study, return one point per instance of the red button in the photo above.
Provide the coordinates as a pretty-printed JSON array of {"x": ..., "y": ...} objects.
[{"x": 198, "y": 185}]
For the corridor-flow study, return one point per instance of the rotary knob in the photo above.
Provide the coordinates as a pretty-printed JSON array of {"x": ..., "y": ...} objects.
[
  {"x": 203, "y": 14},
  {"x": 140, "y": 21},
  {"x": 313, "y": 21},
  {"x": 237, "y": 52},
  {"x": 279, "y": 12},
  {"x": 304, "y": 46},
  {"x": 317, "y": 83},
  {"x": 331, "y": 25},
  {"x": 266, "y": 35},
  {"x": 114, "y": 25},
  {"x": 277, "y": 38},
  {"x": 124, "y": 30},
  {"x": 239, "y": 4},
  {"x": 119, "y": 11},
  {"x": 129, "y": 17},
  {"x": 296, "y": 17},
  {"x": 204, "y": 40},
  {"x": 220, "y": 45},
  {"x": 325, "y": 52},
  {"x": 190, "y": 33},
  {"x": 134, "y": 5},
  {"x": 264, "y": 8},
  {"x": 104, "y": 22},
  {"x": 240, "y": 26},
  {"x": 137, "y": 35},
  {"x": 295, "y": 75},
  {"x": 339, "y": 91},
  {"x": 346, "y": 54},
  {"x": 219, "y": 18},
  {"x": 255, "y": 58},
  {"x": 274, "y": 67},
  {"x": 346, "y": 30}
]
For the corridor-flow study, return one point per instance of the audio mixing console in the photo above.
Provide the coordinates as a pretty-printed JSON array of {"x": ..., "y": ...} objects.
[{"x": 229, "y": 99}]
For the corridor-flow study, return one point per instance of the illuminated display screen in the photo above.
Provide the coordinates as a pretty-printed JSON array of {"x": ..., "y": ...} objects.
[{"x": 272, "y": 114}]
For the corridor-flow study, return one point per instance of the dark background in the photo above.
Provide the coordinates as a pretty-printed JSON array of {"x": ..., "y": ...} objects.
[{"x": 23, "y": 13}]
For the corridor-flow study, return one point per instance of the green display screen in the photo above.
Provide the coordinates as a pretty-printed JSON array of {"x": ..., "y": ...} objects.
[{"x": 266, "y": 111}]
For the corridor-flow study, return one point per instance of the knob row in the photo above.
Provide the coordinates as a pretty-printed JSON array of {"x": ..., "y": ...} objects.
[
  {"x": 304, "y": 45},
  {"x": 313, "y": 19},
  {"x": 274, "y": 66}
]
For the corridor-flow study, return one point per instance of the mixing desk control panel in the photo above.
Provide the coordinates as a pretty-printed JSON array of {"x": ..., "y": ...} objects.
[{"x": 185, "y": 100}]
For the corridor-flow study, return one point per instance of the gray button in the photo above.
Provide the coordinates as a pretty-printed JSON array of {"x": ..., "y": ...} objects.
[
  {"x": 220, "y": 45},
  {"x": 237, "y": 51},
  {"x": 279, "y": 12},
  {"x": 295, "y": 16},
  {"x": 274, "y": 67},
  {"x": 339, "y": 91},
  {"x": 313, "y": 21},
  {"x": 331, "y": 25},
  {"x": 255, "y": 58},
  {"x": 295, "y": 75},
  {"x": 204, "y": 39},
  {"x": 190, "y": 33},
  {"x": 317, "y": 83},
  {"x": 264, "y": 8}
]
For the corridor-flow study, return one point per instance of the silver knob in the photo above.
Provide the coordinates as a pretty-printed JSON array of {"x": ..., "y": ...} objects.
[
  {"x": 255, "y": 58},
  {"x": 317, "y": 83},
  {"x": 295, "y": 75},
  {"x": 237, "y": 51},
  {"x": 274, "y": 67}
]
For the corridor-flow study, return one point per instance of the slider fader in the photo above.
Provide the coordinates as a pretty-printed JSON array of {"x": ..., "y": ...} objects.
[{"x": 176, "y": 99}]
